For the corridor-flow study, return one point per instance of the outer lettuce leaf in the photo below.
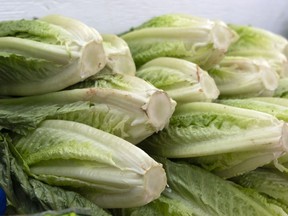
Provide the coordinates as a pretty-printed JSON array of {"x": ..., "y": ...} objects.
[
  {"x": 15, "y": 183},
  {"x": 270, "y": 182},
  {"x": 277, "y": 208},
  {"x": 57, "y": 199},
  {"x": 201, "y": 188},
  {"x": 195, "y": 192},
  {"x": 174, "y": 205},
  {"x": 29, "y": 196},
  {"x": 223, "y": 139}
]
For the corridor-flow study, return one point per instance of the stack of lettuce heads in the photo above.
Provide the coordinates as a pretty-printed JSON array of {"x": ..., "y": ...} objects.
[{"x": 181, "y": 115}]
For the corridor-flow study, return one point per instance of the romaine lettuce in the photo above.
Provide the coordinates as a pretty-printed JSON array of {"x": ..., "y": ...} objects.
[
  {"x": 195, "y": 39},
  {"x": 256, "y": 42},
  {"x": 26, "y": 195},
  {"x": 47, "y": 54},
  {"x": 123, "y": 105},
  {"x": 224, "y": 139},
  {"x": 242, "y": 77},
  {"x": 105, "y": 169},
  {"x": 184, "y": 81}
]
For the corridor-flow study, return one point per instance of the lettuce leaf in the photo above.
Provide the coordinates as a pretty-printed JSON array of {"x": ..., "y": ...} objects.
[
  {"x": 268, "y": 181},
  {"x": 193, "y": 191}
]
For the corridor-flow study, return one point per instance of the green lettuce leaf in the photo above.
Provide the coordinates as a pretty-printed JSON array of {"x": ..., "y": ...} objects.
[
  {"x": 195, "y": 192},
  {"x": 270, "y": 182}
]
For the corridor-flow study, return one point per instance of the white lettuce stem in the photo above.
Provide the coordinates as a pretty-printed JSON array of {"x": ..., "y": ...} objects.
[{"x": 136, "y": 196}]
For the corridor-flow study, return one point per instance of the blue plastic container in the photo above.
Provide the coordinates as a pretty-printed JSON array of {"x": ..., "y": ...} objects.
[{"x": 2, "y": 202}]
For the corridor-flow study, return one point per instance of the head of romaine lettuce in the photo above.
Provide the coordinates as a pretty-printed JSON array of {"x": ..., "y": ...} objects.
[
  {"x": 47, "y": 54},
  {"x": 195, "y": 39},
  {"x": 224, "y": 139}
]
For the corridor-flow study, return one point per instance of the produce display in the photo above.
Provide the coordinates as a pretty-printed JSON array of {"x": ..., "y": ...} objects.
[{"x": 181, "y": 115}]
